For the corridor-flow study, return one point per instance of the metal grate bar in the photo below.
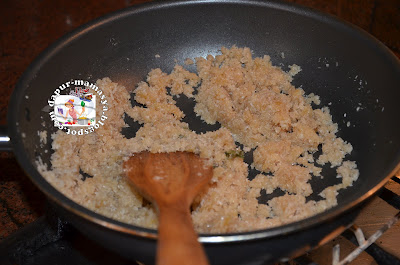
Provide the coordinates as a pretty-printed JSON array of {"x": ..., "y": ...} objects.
[
  {"x": 356, "y": 236},
  {"x": 304, "y": 260},
  {"x": 396, "y": 179},
  {"x": 390, "y": 197},
  {"x": 366, "y": 244}
]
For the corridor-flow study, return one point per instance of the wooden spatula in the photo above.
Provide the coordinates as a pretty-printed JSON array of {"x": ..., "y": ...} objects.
[{"x": 171, "y": 181}]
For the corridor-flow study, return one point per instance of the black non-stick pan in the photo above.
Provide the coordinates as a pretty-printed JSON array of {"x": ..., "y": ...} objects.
[{"x": 354, "y": 74}]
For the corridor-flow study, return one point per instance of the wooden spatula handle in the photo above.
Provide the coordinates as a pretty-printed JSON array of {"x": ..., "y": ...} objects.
[{"x": 177, "y": 240}]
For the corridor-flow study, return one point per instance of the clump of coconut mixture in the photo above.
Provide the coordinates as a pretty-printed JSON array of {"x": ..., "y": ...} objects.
[{"x": 256, "y": 105}]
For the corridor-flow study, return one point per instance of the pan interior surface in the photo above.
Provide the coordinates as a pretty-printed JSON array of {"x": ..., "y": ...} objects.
[{"x": 357, "y": 77}]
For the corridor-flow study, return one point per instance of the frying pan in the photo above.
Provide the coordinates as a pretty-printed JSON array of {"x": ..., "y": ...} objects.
[{"x": 353, "y": 73}]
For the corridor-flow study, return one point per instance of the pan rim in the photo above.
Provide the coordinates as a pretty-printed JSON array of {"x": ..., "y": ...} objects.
[{"x": 107, "y": 222}]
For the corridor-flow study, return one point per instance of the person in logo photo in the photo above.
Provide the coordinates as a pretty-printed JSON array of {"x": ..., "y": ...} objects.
[{"x": 72, "y": 112}]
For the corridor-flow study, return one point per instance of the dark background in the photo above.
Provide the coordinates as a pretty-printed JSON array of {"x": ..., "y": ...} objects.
[{"x": 27, "y": 27}]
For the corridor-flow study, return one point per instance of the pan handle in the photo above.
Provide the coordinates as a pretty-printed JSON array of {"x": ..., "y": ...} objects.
[{"x": 5, "y": 143}]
